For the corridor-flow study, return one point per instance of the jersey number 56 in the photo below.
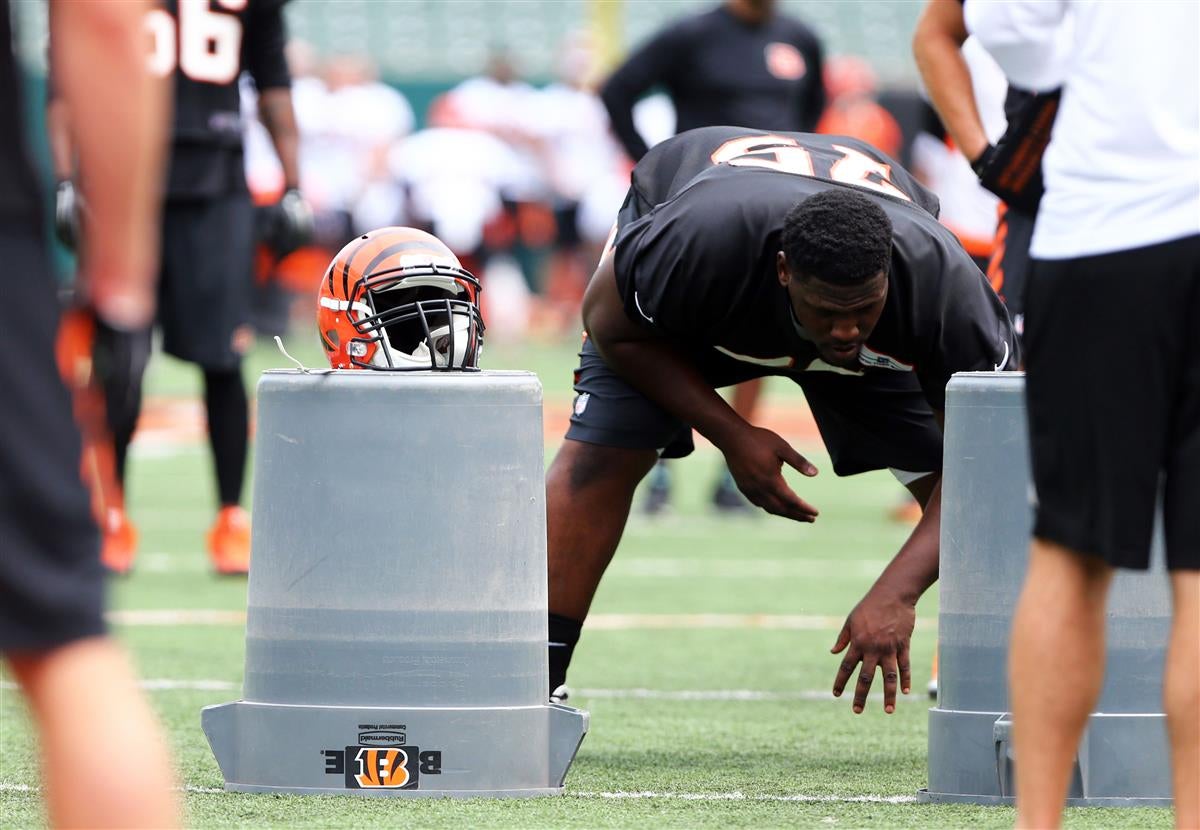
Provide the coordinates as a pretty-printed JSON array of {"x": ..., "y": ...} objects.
[{"x": 206, "y": 44}]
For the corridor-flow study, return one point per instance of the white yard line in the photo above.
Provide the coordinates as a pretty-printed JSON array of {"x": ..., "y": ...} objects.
[
  {"x": 595, "y": 622},
  {"x": 741, "y": 695},
  {"x": 671, "y": 568},
  {"x": 166, "y": 685},
  {"x": 695, "y": 695},
  {"x": 740, "y": 796},
  {"x": 176, "y": 616},
  {"x": 794, "y": 622},
  {"x": 647, "y": 795},
  {"x": 635, "y": 567}
]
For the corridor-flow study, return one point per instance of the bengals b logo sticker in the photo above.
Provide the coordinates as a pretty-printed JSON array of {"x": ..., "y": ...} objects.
[{"x": 383, "y": 767}]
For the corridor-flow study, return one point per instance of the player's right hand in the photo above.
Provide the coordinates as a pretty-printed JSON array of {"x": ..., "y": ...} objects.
[
  {"x": 756, "y": 457},
  {"x": 68, "y": 205}
]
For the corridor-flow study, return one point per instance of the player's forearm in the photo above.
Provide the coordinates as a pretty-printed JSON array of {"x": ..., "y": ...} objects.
[
  {"x": 119, "y": 117},
  {"x": 658, "y": 370},
  {"x": 915, "y": 567},
  {"x": 279, "y": 117},
  {"x": 937, "y": 47}
]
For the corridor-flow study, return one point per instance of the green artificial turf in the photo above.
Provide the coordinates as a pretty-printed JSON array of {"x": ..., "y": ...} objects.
[{"x": 764, "y": 762}]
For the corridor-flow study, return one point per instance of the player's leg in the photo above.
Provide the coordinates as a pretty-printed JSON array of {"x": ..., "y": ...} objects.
[
  {"x": 589, "y": 490},
  {"x": 1181, "y": 494},
  {"x": 205, "y": 311},
  {"x": 610, "y": 446},
  {"x": 1181, "y": 696},
  {"x": 104, "y": 759},
  {"x": 52, "y": 584},
  {"x": 1056, "y": 669},
  {"x": 1096, "y": 489}
]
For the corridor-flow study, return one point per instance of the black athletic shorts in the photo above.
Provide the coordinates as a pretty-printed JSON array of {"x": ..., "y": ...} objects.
[
  {"x": 51, "y": 580},
  {"x": 874, "y": 421},
  {"x": 207, "y": 283},
  {"x": 1008, "y": 268},
  {"x": 1113, "y": 392}
]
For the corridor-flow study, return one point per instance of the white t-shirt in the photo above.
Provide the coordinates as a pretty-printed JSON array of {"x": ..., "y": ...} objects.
[{"x": 1123, "y": 167}]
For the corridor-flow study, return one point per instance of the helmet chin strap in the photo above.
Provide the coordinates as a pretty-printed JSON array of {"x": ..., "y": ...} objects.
[{"x": 299, "y": 365}]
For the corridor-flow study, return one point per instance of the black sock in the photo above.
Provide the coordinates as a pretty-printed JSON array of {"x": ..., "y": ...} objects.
[
  {"x": 228, "y": 430},
  {"x": 564, "y": 634}
]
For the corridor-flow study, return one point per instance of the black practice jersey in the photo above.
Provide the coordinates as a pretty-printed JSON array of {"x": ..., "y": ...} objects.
[
  {"x": 19, "y": 198},
  {"x": 719, "y": 70},
  {"x": 700, "y": 229},
  {"x": 206, "y": 45}
]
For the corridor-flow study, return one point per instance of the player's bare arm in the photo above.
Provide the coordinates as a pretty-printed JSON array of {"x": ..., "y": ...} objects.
[
  {"x": 119, "y": 132},
  {"x": 877, "y": 632},
  {"x": 657, "y": 369},
  {"x": 937, "y": 47},
  {"x": 279, "y": 117}
]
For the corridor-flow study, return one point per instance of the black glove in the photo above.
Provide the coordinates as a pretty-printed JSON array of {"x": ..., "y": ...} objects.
[
  {"x": 1012, "y": 169},
  {"x": 68, "y": 205},
  {"x": 119, "y": 358},
  {"x": 288, "y": 225}
]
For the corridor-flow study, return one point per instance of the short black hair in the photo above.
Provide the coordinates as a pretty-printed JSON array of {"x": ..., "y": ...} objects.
[{"x": 838, "y": 236}]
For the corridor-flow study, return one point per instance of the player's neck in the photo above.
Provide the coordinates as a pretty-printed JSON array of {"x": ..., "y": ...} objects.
[{"x": 750, "y": 12}]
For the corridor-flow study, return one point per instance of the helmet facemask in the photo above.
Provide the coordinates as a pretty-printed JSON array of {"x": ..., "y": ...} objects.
[{"x": 419, "y": 317}]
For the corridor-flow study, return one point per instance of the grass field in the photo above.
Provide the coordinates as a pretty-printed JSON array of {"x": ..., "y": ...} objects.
[{"x": 708, "y": 722}]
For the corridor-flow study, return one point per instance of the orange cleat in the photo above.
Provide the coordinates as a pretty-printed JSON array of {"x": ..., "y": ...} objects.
[
  {"x": 119, "y": 542},
  {"x": 229, "y": 542}
]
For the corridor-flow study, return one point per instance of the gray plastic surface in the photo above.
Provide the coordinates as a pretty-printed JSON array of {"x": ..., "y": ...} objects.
[
  {"x": 397, "y": 596},
  {"x": 986, "y": 521}
]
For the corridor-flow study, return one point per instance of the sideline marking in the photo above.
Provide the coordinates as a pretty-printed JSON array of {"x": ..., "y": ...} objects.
[
  {"x": 740, "y": 796},
  {"x": 595, "y": 622},
  {"x": 736, "y": 795},
  {"x": 699, "y": 695}
]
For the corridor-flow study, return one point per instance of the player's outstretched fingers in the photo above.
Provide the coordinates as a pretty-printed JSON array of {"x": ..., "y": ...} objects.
[
  {"x": 786, "y": 503},
  {"x": 849, "y": 662},
  {"x": 891, "y": 678},
  {"x": 905, "y": 668},
  {"x": 796, "y": 461},
  {"x": 866, "y": 676}
]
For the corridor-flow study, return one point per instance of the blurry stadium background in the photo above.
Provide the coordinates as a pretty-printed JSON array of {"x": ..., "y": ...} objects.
[{"x": 705, "y": 664}]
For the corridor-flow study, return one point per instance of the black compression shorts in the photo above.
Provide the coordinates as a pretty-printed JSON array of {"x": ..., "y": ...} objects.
[{"x": 875, "y": 421}]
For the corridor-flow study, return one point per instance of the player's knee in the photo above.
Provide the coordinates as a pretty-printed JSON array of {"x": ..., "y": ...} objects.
[{"x": 581, "y": 466}]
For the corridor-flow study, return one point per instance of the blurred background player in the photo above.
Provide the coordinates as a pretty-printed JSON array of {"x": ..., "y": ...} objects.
[
  {"x": 979, "y": 110},
  {"x": 741, "y": 64},
  {"x": 963, "y": 83},
  {"x": 206, "y": 281},
  {"x": 104, "y": 760},
  {"x": 1112, "y": 305}
]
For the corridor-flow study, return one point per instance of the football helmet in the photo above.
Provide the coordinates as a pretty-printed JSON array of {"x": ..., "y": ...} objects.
[{"x": 397, "y": 299}]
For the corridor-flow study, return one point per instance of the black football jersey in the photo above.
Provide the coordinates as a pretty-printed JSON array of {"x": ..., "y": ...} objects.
[
  {"x": 19, "y": 199},
  {"x": 700, "y": 229},
  {"x": 206, "y": 45},
  {"x": 719, "y": 69}
]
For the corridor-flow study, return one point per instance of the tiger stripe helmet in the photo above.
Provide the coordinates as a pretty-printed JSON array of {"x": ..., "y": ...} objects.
[{"x": 397, "y": 299}]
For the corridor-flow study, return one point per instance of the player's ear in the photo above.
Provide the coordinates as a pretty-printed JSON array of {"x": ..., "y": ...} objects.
[{"x": 781, "y": 269}]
